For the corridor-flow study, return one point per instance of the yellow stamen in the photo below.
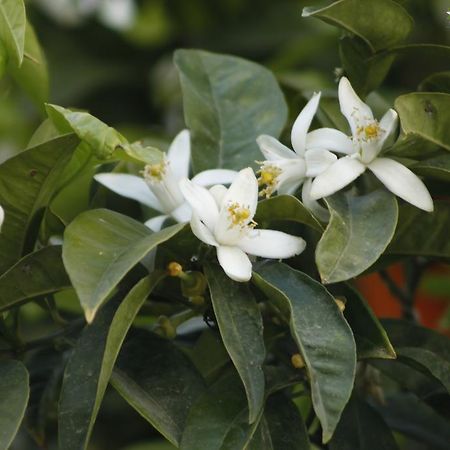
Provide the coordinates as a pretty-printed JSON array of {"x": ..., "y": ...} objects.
[
  {"x": 174, "y": 269},
  {"x": 155, "y": 172},
  {"x": 239, "y": 215},
  {"x": 268, "y": 176},
  {"x": 371, "y": 131}
]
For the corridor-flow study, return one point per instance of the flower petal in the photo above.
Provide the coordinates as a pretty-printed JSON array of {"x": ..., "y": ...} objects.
[
  {"x": 302, "y": 124},
  {"x": 313, "y": 205},
  {"x": 2, "y": 216},
  {"x": 317, "y": 161},
  {"x": 357, "y": 113},
  {"x": 273, "y": 149},
  {"x": 402, "y": 182},
  {"x": 202, "y": 231},
  {"x": 337, "y": 176},
  {"x": 271, "y": 244},
  {"x": 155, "y": 223},
  {"x": 215, "y": 176},
  {"x": 388, "y": 124},
  {"x": 179, "y": 154},
  {"x": 201, "y": 201},
  {"x": 218, "y": 192},
  {"x": 289, "y": 187},
  {"x": 183, "y": 213},
  {"x": 130, "y": 186},
  {"x": 330, "y": 139},
  {"x": 235, "y": 263}
]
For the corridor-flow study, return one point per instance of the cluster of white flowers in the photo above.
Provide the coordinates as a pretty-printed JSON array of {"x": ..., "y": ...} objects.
[{"x": 223, "y": 217}]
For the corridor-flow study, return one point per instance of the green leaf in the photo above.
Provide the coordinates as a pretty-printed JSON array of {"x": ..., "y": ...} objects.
[
  {"x": 219, "y": 419},
  {"x": 371, "y": 338},
  {"x": 228, "y": 103},
  {"x": 417, "y": 345},
  {"x": 164, "y": 388},
  {"x": 437, "y": 167},
  {"x": 100, "y": 248},
  {"x": 362, "y": 428},
  {"x": 422, "y": 234},
  {"x": 323, "y": 337},
  {"x": 286, "y": 207},
  {"x": 380, "y": 23},
  {"x": 28, "y": 182},
  {"x": 38, "y": 273},
  {"x": 90, "y": 366},
  {"x": 437, "y": 82},
  {"x": 359, "y": 231},
  {"x": 281, "y": 428},
  {"x": 240, "y": 324},
  {"x": 12, "y": 28},
  {"x": 426, "y": 114},
  {"x": 32, "y": 75},
  {"x": 14, "y": 393}
]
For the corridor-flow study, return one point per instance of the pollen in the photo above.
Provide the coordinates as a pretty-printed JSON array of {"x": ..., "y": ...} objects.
[
  {"x": 371, "y": 131},
  {"x": 240, "y": 215},
  {"x": 155, "y": 172},
  {"x": 268, "y": 177}
]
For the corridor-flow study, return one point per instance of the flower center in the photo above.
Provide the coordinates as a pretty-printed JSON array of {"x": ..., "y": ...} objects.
[
  {"x": 370, "y": 132},
  {"x": 239, "y": 216},
  {"x": 268, "y": 176},
  {"x": 155, "y": 172}
]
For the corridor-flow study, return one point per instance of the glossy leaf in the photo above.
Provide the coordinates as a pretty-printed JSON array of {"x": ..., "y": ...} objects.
[
  {"x": 426, "y": 114},
  {"x": 28, "y": 182},
  {"x": 100, "y": 248},
  {"x": 359, "y": 231},
  {"x": 14, "y": 393},
  {"x": 240, "y": 324},
  {"x": 228, "y": 103},
  {"x": 362, "y": 428},
  {"x": 90, "y": 366},
  {"x": 421, "y": 233},
  {"x": 437, "y": 167},
  {"x": 380, "y": 23},
  {"x": 38, "y": 273},
  {"x": 286, "y": 207},
  {"x": 321, "y": 333},
  {"x": 219, "y": 419},
  {"x": 371, "y": 338},
  {"x": 163, "y": 389},
  {"x": 32, "y": 75},
  {"x": 12, "y": 28}
]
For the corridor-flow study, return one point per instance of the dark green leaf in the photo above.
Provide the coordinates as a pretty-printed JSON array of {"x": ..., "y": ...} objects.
[
  {"x": 14, "y": 393},
  {"x": 437, "y": 167},
  {"x": 286, "y": 207},
  {"x": 38, "y": 273},
  {"x": 219, "y": 419},
  {"x": 90, "y": 366},
  {"x": 362, "y": 428},
  {"x": 100, "y": 248},
  {"x": 12, "y": 28},
  {"x": 421, "y": 233},
  {"x": 380, "y": 23},
  {"x": 240, "y": 324},
  {"x": 323, "y": 337},
  {"x": 426, "y": 114},
  {"x": 438, "y": 82},
  {"x": 228, "y": 103},
  {"x": 359, "y": 231},
  {"x": 27, "y": 183},
  {"x": 164, "y": 388}
]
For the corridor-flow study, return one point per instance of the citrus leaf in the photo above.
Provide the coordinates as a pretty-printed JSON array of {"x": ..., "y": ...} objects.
[{"x": 12, "y": 28}]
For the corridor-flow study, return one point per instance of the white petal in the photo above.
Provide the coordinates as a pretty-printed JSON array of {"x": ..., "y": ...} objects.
[
  {"x": 201, "y": 201},
  {"x": 402, "y": 182},
  {"x": 215, "y": 176},
  {"x": 179, "y": 154},
  {"x": 273, "y": 149},
  {"x": 130, "y": 186},
  {"x": 289, "y": 187},
  {"x": 388, "y": 124},
  {"x": 271, "y": 244},
  {"x": 155, "y": 223},
  {"x": 235, "y": 263},
  {"x": 218, "y": 192},
  {"x": 313, "y": 205},
  {"x": 183, "y": 213},
  {"x": 330, "y": 139},
  {"x": 202, "y": 231},
  {"x": 243, "y": 193},
  {"x": 2, "y": 216},
  {"x": 117, "y": 14},
  {"x": 357, "y": 113},
  {"x": 337, "y": 176},
  {"x": 302, "y": 124},
  {"x": 292, "y": 173},
  {"x": 317, "y": 161}
]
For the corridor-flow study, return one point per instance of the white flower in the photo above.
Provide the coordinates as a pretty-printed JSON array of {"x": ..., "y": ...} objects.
[
  {"x": 285, "y": 171},
  {"x": 224, "y": 218},
  {"x": 159, "y": 187},
  {"x": 2, "y": 217},
  {"x": 369, "y": 138}
]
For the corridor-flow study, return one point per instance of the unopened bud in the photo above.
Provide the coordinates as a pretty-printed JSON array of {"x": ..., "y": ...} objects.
[
  {"x": 166, "y": 327},
  {"x": 297, "y": 361},
  {"x": 175, "y": 269},
  {"x": 340, "y": 303}
]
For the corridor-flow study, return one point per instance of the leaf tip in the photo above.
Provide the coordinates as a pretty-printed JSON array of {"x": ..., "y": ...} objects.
[{"x": 89, "y": 314}]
